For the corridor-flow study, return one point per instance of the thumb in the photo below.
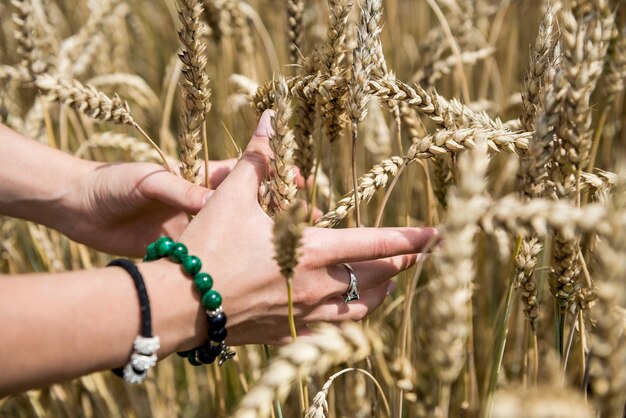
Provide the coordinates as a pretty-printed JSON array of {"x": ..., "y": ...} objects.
[
  {"x": 253, "y": 165},
  {"x": 175, "y": 192}
]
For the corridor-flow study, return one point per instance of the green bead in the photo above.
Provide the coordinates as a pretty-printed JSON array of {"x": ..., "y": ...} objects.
[
  {"x": 203, "y": 282},
  {"x": 211, "y": 300},
  {"x": 151, "y": 252},
  {"x": 191, "y": 264},
  {"x": 163, "y": 246},
  {"x": 178, "y": 252}
]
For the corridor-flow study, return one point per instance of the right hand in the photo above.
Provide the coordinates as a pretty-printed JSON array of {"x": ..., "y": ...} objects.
[{"x": 233, "y": 237}]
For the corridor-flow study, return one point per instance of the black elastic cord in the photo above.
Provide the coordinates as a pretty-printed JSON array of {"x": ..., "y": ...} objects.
[{"x": 144, "y": 301}]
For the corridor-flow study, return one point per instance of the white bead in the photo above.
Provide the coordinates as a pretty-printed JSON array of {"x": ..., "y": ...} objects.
[{"x": 147, "y": 346}]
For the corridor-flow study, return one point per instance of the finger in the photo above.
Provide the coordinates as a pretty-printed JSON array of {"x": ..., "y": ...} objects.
[
  {"x": 219, "y": 170},
  {"x": 303, "y": 332},
  {"x": 337, "y": 310},
  {"x": 369, "y": 274},
  {"x": 325, "y": 247},
  {"x": 253, "y": 165},
  {"x": 174, "y": 191}
]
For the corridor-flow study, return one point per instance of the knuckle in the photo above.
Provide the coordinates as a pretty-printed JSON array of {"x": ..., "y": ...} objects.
[
  {"x": 380, "y": 247},
  {"x": 305, "y": 295}
]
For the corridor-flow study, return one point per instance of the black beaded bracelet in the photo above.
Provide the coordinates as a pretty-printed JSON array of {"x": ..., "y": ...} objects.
[
  {"x": 145, "y": 345},
  {"x": 215, "y": 345}
]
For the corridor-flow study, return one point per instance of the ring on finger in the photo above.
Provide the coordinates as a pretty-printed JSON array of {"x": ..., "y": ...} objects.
[{"x": 353, "y": 292}]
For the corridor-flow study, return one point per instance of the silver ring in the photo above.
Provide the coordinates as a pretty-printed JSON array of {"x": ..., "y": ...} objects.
[{"x": 353, "y": 292}]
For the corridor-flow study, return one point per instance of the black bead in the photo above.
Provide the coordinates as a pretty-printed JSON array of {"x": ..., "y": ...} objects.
[
  {"x": 205, "y": 357},
  {"x": 218, "y": 321},
  {"x": 193, "y": 359},
  {"x": 218, "y": 335},
  {"x": 212, "y": 349},
  {"x": 184, "y": 354}
]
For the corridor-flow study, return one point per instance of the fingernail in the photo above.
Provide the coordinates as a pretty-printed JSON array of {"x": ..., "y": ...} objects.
[
  {"x": 390, "y": 288},
  {"x": 206, "y": 197},
  {"x": 264, "y": 128}
]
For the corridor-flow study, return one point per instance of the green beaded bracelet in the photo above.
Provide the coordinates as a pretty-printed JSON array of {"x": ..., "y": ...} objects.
[{"x": 215, "y": 345}]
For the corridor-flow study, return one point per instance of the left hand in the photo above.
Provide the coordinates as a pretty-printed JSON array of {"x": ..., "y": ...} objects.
[{"x": 121, "y": 207}]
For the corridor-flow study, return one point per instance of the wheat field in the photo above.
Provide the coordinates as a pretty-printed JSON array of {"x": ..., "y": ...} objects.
[{"x": 501, "y": 123}]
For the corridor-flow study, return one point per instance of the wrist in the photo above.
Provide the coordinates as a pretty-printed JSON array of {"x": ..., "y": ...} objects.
[{"x": 178, "y": 317}]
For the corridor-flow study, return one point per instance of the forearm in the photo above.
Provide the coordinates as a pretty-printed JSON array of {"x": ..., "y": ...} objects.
[
  {"x": 36, "y": 180},
  {"x": 60, "y": 326}
]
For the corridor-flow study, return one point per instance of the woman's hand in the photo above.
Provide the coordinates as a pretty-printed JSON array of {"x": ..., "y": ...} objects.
[
  {"x": 120, "y": 207},
  {"x": 233, "y": 238}
]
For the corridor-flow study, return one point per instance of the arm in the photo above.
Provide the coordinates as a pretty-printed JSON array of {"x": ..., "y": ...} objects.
[
  {"x": 36, "y": 181},
  {"x": 59, "y": 326}
]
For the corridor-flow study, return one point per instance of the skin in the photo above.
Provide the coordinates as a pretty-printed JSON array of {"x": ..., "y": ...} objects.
[{"x": 58, "y": 326}]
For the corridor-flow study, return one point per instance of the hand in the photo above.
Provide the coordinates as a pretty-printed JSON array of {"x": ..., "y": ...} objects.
[
  {"x": 233, "y": 238},
  {"x": 121, "y": 207}
]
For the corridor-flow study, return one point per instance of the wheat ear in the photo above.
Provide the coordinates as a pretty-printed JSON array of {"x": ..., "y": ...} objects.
[
  {"x": 194, "y": 88},
  {"x": 608, "y": 339},
  {"x": 541, "y": 59},
  {"x": 295, "y": 28},
  {"x": 282, "y": 182},
  {"x": 330, "y": 345},
  {"x": 368, "y": 184},
  {"x": 444, "y": 328},
  {"x": 90, "y": 102}
]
